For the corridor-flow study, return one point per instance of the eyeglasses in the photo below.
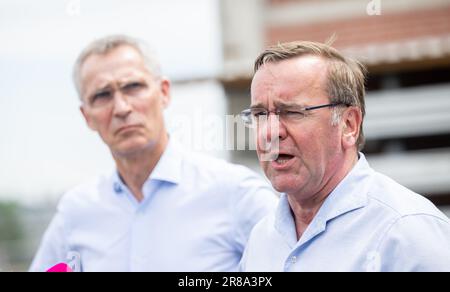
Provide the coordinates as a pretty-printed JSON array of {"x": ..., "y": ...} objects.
[{"x": 255, "y": 116}]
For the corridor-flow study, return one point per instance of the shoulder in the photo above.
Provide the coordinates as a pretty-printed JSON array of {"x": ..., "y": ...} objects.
[
  {"x": 245, "y": 190},
  {"x": 86, "y": 194},
  {"x": 418, "y": 242},
  {"x": 207, "y": 163},
  {"x": 392, "y": 198},
  {"x": 412, "y": 226},
  {"x": 218, "y": 171}
]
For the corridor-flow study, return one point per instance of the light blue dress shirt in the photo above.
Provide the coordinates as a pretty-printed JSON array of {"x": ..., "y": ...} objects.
[
  {"x": 197, "y": 215},
  {"x": 368, "y": 223}
]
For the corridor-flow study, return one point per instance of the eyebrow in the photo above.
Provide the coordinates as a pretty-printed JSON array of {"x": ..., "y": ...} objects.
[
  {"x": 100, "y": 90},
  {"x": 288, "y": 105},
  {"x": 131, "y": 79},
  {"x": 258, "y": 105},
  {"x": 280, "y": 105}
]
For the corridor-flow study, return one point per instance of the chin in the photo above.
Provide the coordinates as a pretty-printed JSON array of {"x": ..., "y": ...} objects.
[
  {"x": 281, "y": 188},
  {"x": 132, "y": 146},
  {"x": 285, "y": 183}
]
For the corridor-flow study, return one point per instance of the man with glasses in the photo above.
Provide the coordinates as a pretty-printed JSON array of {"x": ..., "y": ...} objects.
[
  {"x": 162, "y": 209},
  {"x": 336, "y": 213}
]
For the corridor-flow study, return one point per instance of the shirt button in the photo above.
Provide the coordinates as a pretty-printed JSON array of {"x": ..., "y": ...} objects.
[
  {"x": 118, "y": 188},
  {"x": 293, "y": 260}
]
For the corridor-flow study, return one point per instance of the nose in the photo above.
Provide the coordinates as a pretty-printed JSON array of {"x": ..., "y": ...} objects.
[
  {"x": 122, "y": 107},
  {"x": 274, "y": 128},
  {"x": 270, "y": 134}
]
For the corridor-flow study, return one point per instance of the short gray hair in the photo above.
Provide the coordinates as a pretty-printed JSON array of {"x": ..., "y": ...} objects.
[
  {"x": 346, "y": 76},
  {"x": 105, "y": 45}
]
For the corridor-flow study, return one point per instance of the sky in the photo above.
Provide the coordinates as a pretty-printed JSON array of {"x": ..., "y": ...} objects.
[{"x": 45, "y": 147}]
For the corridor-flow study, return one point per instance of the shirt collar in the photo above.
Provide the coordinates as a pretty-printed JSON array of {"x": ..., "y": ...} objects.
[
  {"x": 168, "y": 168},
  {"x": 349, "y": 195}
]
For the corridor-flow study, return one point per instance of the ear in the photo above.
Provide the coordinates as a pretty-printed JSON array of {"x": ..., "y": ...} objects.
[
  {"x": 87, "y": 118},
  {"x": 352, "y": 119},
  {"x": 165, "y": 90}
]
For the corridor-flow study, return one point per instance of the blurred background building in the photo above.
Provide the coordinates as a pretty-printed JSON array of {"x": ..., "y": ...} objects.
[{"x": 207, "y": 48}]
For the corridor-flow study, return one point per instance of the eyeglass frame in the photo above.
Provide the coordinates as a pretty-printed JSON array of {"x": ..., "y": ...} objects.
[{"x": 245, "y": 114}]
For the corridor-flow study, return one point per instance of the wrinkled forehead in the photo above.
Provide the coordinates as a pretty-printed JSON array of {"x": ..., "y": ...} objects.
[
  {"x": 295, "y": 81},
  {"x": 119, "y": 64}
]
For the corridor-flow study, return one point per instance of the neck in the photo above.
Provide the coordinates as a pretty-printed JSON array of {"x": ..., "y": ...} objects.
[
  {"x": 135, "y": 168},
  {"x": 305, "y": 208}
]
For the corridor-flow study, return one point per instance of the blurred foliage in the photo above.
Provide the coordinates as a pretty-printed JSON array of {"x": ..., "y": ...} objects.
[
  {"x": 11, "y": 232},
  {"x": 9, "y": 222}
]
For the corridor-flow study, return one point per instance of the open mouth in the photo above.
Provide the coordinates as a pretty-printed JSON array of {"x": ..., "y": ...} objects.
[{"x": 283, "y": 159}]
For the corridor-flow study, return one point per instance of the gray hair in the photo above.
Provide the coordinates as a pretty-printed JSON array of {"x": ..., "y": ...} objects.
[
  {"x": 105, "y": 45},
  {"x": 346, "y": 76}
]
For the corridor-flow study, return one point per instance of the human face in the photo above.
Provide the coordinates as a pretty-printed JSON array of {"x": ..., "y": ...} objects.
[
  {"x": 123, "y": 101},
  {"x": 310, "y": 149}
]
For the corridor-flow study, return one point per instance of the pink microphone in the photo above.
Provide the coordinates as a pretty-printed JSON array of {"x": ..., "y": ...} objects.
[{"x": 60, "y": 268}]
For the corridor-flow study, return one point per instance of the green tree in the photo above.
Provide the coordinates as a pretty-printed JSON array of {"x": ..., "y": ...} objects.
[{"x": 11, "y": 232}]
